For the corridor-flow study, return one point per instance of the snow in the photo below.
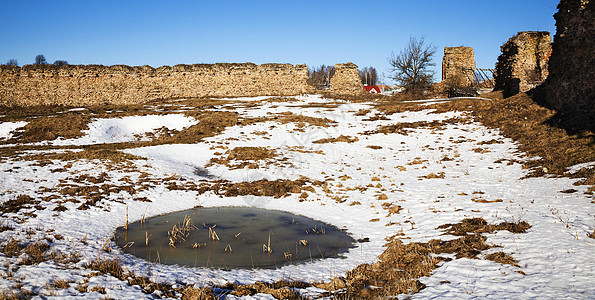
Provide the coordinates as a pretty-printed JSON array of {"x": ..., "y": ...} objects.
[
  {"x": 6, "y": 128},
  {"x": 127, "y": 129},
  {"x": 555, "y": 254}
]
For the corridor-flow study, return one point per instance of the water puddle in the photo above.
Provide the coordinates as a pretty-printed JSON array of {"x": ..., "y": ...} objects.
[{"x": 232, "y": 237}]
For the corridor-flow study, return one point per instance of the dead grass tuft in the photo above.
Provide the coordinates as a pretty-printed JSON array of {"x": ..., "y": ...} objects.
[
  {"x": 392, "y": 208},
  {"x": 278, "y": 188},
  {"x": 434, "y": 175},
  {"x": 36, "y": 252},
  {"x": 6, "y": 228},
  {"x": 301, "y": 120},
  {"x": 341, "y": 138},
  {"x": 107, "y": 266},
  {"x": 12, "y": 248},
  {"x": 149, "y": 286},
  {"x": 479, "y": 225},
  {"x": 244, "y": 157},
  {"x": 60, "y": 284},
  {"x": 281, "y": 289},
  {"x": 191, "y": 293},
  {"x": 15, "y": 205},
  {"x": 482, "y": 200},
  {"x": 13, "y": 294},
  {"x": 502, "y": 258},
  {"x": 374, "y": 147}
]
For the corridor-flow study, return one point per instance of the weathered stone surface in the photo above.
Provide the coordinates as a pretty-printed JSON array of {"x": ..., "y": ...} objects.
[
  {"x": 80, "y": 85},
  {"x": 458, "y": 65},
  {"x": 570, "y": 87},
  {"x": 523, "y": 63},
  {"x": 346, "y": 80}
]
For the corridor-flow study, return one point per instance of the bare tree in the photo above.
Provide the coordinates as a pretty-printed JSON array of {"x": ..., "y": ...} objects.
[
  {"x": 12, "y": 62},
  {"x": 321, "y": 77},
  {"x": 40, "y": 60},
  {"x": 368, "y": 75},
  {"x": 60, "y": 63},
  {"x": 411, "y": 66}
]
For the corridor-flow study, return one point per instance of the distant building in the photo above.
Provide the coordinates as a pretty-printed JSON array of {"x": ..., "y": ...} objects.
[{"x": 372, "y": 89}]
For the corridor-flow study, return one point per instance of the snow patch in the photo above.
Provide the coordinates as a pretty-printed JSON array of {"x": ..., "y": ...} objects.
[
  {"x": 6, "y": 128},
  {"x": 127, "y": 129}
]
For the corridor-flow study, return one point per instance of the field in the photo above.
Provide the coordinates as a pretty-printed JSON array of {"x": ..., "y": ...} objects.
[{"x": 457, "y": 198}]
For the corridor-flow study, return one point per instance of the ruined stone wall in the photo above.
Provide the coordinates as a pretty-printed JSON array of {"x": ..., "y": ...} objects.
[
  {"x": 523, "y": 63},
  {"x": 346, "y": 80},
  {"x": 458, "y": 65},
  {"x": 79, "y": 85},
  {"x": 570, "y": 87}
]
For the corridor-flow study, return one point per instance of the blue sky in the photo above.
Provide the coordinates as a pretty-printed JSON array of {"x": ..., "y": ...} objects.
[{"x": 173, "y": 32}]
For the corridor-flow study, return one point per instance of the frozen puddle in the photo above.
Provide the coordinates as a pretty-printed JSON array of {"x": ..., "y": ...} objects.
[{"x": 231, "y": 238}]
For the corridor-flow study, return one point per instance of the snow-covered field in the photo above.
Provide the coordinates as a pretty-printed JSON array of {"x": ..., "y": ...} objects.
[{"x": 555, "y": 256}]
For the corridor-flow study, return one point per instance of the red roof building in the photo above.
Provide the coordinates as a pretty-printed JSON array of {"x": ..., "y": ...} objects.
[{"x": 372, "y": 89}]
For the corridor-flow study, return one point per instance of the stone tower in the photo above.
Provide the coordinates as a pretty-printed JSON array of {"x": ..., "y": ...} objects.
[
  {"x": 346, "y": 79},
  {"x": 458, "y": 66},
  {"x": 523, "y": 63}
]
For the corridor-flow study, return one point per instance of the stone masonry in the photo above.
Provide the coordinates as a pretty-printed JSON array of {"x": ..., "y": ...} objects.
[
  {"x": 80, "y": 85},
  {"x": 346, "y": 80},
  {"x": 570, "y": 87},
  {"x": 523, "y": 63},
  {"x": 458, "y": 65}
]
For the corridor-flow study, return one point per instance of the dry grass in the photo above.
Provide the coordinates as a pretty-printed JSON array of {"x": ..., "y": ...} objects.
[
  {"x": 242, "y": 157},
  {"x": 341, "y": 138},
  {"x": 36, "y": 252},
  {"x": 12, "y": 248},
  {"x": 434, "y": 175},
  {"x": 359, "y": 97},
  {"x": 392, "y": 208},
  {"x": 107, "y": 266},
  {"x": 301, "y": 120},
  {"x": 277, "y": 188},
  {"x": 70, "y": 125},
  {"x": 405, "y": 127},
  {"x": 88, "y": 153},
  {"x": 397, "y": 271},
  {"x": 191, "y": 293},
  {"x": 479, "y": 225},
  {"x": 16, "y": 295},
  {"x": 209, "y": 124},
  {"x": 502, "y": 258},
  {"x": 15, "y": 205},
  {"x": 47, "y": 128},
  {"x": 482, "y": 200},
  {"x": 523, "y": 120},
  {"x": 281, "y": 289},
  {"x": 60, "y": 284}
]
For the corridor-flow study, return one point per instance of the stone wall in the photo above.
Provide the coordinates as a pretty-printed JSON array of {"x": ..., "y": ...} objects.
[
  {"x": 458, "y": 65},
  {"x": 570, "y": 87},
  {"x": 346, "y": 80},
  {"x": 79, "y": 85},
  {"x": 523, "y": 63}
]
